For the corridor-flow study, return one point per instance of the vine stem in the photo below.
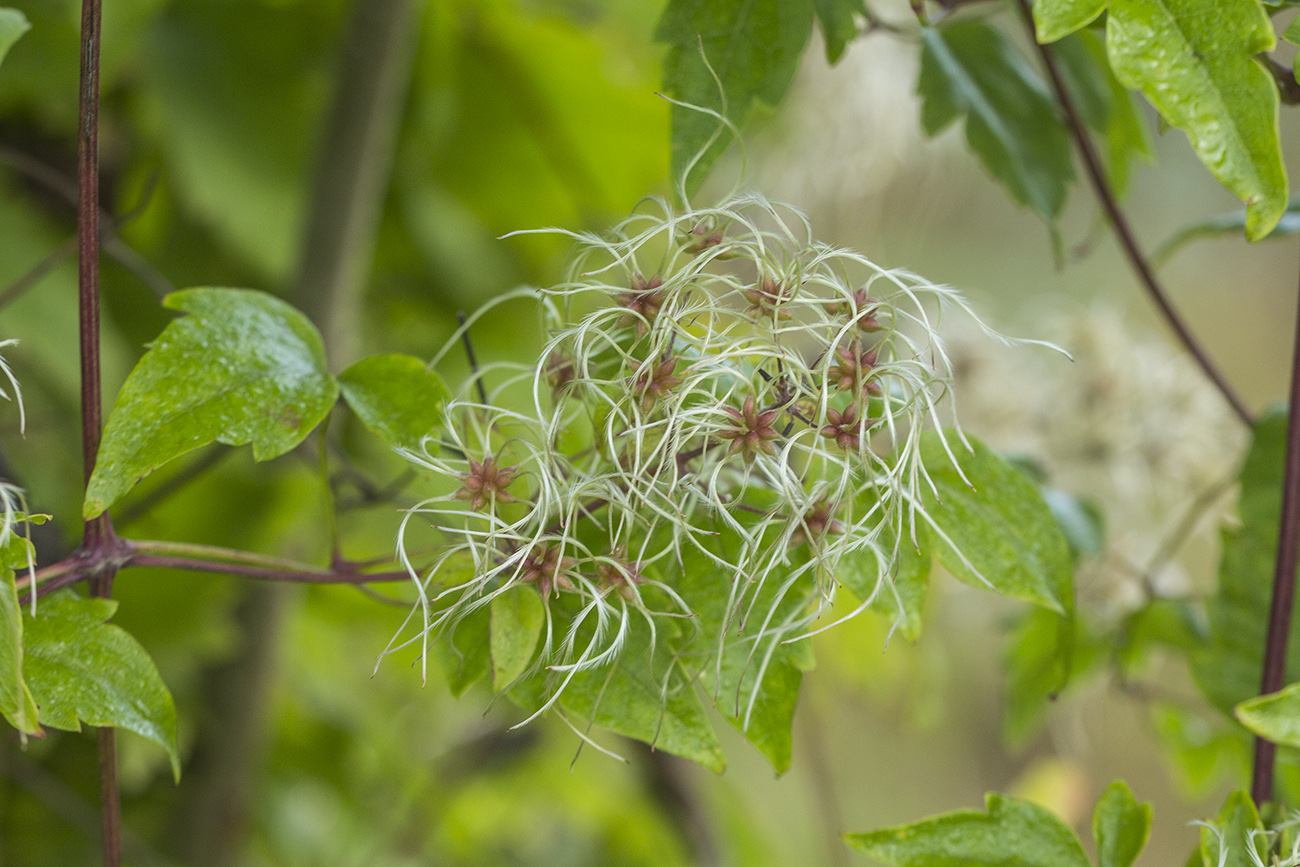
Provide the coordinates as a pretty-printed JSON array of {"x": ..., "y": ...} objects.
[
  {"x": 1284, "y": 577},
  {"x": 98, "y": 535},
  {"x": 1137, "y": 260}
]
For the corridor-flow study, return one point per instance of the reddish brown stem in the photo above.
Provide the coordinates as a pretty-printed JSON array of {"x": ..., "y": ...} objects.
[
  {"x": 1123, "y": 232},
  {"x": 1284, "y": 576}
]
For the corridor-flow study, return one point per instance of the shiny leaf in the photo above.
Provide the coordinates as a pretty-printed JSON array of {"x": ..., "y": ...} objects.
[
  {"x": 395, "y": 396},
  {"x": 753, "y": 46},
  {"x": 1120, "y": 826},
  {"x": 1275, "y": 716},
  {"x": 1054, "y": 19},
  {"x": 81, "y": 669},
  {"x": 243, "y": 367},
  {"x": 1011, "y": 832},
  {"x": 969, "y": 69},
  {"x": 1194, "y": 60}
]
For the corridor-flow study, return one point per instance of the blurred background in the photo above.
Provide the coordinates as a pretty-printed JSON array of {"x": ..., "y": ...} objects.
[{"x": 226, "y": 132}]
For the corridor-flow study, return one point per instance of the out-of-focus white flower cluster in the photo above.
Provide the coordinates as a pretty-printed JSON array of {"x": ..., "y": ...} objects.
[{"x": 1131, "y": 425}]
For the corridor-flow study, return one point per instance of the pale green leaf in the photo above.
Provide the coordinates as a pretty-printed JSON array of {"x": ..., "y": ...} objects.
[
  {"x": 990, "y": 527},
  {"x": 515, "y": 624},
  {"x": 1229, "y": 668},
  {"x": 16, "y": 702},
  {"x": 1223, "y": 225},
  {"x": 1275, "y": 716},
  {"x": 753, "y": 46},
  {"x": 465, "y": 652},
  {"x": 395, "y": 396},
  {"x": 1043, "y": 655},
  {"x": 81, "y": 669},
  {"x": 902, "y": 596},
  {"x": 969, "y": 69},
  {"x": 243, "y": 367},
  {"x": 839, "y": 23},
  {"x": 1082, "y": 522},
  {"x": 1011, "y": 832},
  {"x": 1054, "y": 19},
  {"x": 1194, "y": 60},
  {"x": 1120, "y": 826},
  {"x": 13, "y": 24},
  {"x": 1292, "y": 32},
  {"x": 1228, "y": 841}
]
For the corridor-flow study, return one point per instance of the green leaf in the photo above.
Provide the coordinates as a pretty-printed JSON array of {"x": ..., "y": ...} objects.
[
  {"x": 13, "y": 24},
  {"x": 1054, "y": 19},
  {"x": 1225, "y": 224},
  {"x": 970, "y": 69},
  {"x": 16, "y": 702},
  {"x": 753, "y": 46},
  {"x": 395, "y": 396},
  {"x": 81, "y": 669},
  {"x": 1292, "y": 32},
  {"x": 465, "y": 654},
  {"x": 1011, "y": 832},
  {"x": 1044, "y": 654},
  {"x": 1229, "y": 668},
  {"x": 838, "y": 20},
  {"x": 515, "y": 624},
  {"x": 243, "y": 367},
  {"x": 990, "y": 527},
  {"x": 1120, "y": 826},
  {"x": 647, "y": 697},
  {"x": 903, "y": 598},
  {"x": 1081, "y": 521},
  {"x": 1228, "y": 841},
  {"x": 1194, "y": 60},
  {"x": 1275, "y": 716}
]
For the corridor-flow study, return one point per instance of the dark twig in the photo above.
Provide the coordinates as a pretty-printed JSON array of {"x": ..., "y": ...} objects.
[
  {"x": 1136, "y": 259},
  {"x": 1279, "y": 615},
  {"x": 469, "y": 354}
]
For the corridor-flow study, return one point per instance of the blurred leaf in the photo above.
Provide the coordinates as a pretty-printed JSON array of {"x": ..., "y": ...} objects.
[
  {"x": 1292, "y": 32},
  {"x": 1228, "y": 669},
  {"x": 753, "y": 46},
  {"x": 990, "y": 527},
  {"x": 13, "y": 24},
  {"x": 1105, "y": 105},
  {"x": 244, "y": 367},
  {"x": 1201, "y": 754},
  {"x": 81, "y": 669},
  {"x": 969, "y": 69},
  {"x": 1224, "y": 224},
  {"x": 1275, "y": 717},
  {"x": 396, "y": 397},
  {"x": 466, "y": 653},
  {"x": 1044, "y": 654},
  {"x": 838, "y": 20},
  {"x": 1228, "y": 841},
  {"x": 1195, "y": 63},
  {"x": 1120, "y": 826},
  {"x": 516, "y": 617},
  {"x": 1081, "y": 521},
  {"x": 1054, "y": 19},
  {"x": 16, "y": 702},
  {"x": 1011, "y": 832}
]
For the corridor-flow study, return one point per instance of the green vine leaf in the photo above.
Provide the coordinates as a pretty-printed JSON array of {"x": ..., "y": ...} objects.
[
  {"x": 753, "y": 46},
  {"x": 13, "y": 24},
  {"x": 16, "y": 702},
  {"x": 1011, "y": 832},
  {"x": 1054, "y": 19},
  {"x": 1275, "y": 716},
  {"x": 1044, "y": 655},
  {"x": 81, "y": 669},
  {"x": 1292, "y": 32},
  {"x": 1229, "y": 667},
  {"x": 970, "y": 69},
  {"x": 1224, "y": 224},
  {"x": 243, "y": 367},
  {"x": 516, "y": 617},
  {"x": 396, "y": 397},
  {"x": 1229, "y": 841},
  {"x": 1120, "y": 826},
  {"x": 991, "y": 528},
  {"x": 1195, "y": 63},
  {"x": 903, "y": 598},
  {"x": 839, "y": 23}
]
